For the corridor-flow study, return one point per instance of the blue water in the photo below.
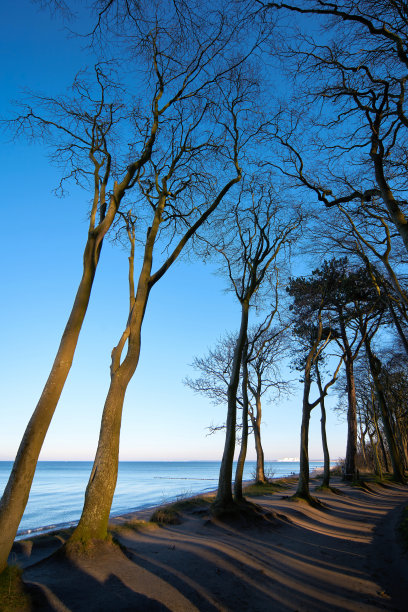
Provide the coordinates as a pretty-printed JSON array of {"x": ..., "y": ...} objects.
[{"x": 57, "y": 493}]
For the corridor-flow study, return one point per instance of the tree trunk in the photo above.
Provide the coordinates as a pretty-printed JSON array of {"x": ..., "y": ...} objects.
[
  {"x": 375, "y": 367},
  {"x": 93, "y": 523},
  {"x": 362, "y": 442},
  {"x": 351, "y": 452},
  {"x": 16, "y": 493},
  {"x": 223, "y": 500},
  {"x": 102, "y": 482},
  {"x": 377, "y": 463},
  {"x": 326, "y": 455},
  {"x": 303, "y": 483},
  {"x": 397, "y": 324},
  {"x": 244, "y": 435},
  {"x": 350, "y": 471},
  {"x": 383, "y": 449},
  {"x": 395, "y": 211},
  {"x": 260, "y": 458}
]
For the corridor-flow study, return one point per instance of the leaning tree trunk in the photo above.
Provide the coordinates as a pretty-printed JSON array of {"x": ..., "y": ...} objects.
[
  {"x": 101, "y": 486},
  {"x": 244, "y": 434},
  {"x": 303, "y": 482},
  {"x": 16, "y": 493},
  {"x": 223, "y": 500},
  {"x": 326, "y": 455}
]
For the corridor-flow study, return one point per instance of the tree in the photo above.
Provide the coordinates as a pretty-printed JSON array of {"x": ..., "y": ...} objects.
[
  {"x": 310, "y": 299},
  {"x": 390, "y": 432},
  {"x": 105, "y": 134},
  {"x": 84, "y": 127},
  {"x": 350, "y": 303},
  {"x": 359, "y": 73},
  {"x": 249, "y": 251},
  {"x": 181, "y": 198},
  {"x": 266, "y": 348}
]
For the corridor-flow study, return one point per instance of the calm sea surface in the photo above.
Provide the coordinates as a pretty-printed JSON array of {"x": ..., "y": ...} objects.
[{"x": 57, "y": 493}]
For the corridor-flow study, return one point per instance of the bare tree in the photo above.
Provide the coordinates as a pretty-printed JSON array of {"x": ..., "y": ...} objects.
[
  {"x": 84, "y": 127},
  {"x": 267, "y": 348},
  {"x": 250, "y": 244},
  {"x": 181, "y": 196},
  {"x": 105, "y": 134},
  {"x": 358, "y": 76}
]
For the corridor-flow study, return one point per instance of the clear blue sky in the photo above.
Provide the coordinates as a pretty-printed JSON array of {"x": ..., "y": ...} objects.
[{"x": 41, "y": 253}]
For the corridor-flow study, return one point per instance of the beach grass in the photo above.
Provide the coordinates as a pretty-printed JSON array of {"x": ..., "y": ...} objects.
[
  {"x": 137, "y": 525},
  {"x": 170, "y": 514},
  {"x": 13, "y": 595},
  {"x": 166, "y": 515},
  {"x": 258, "y": 489}
]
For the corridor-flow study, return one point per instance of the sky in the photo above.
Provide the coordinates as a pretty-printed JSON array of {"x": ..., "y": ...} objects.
[{"x": 41, "y": 261}]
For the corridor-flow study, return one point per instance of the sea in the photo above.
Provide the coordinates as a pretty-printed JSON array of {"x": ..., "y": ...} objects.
[{"x": 57, "y": 492}]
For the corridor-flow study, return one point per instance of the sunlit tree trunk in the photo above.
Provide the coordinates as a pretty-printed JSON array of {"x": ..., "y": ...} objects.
[
  {"x": 303, "y": 482},
  {"x": 224, "y": 500},
  {"x": 93, "y": 523},
  {"x": 244, "y": 433},
  {"x": 16, "y": 493},
  {"x": 256, "y": 420},
  {"x": 326, "y": 454},
  {"x": 377, "y": 463},
  {"x": 350, "y": 469},
  {"x": 260, "y": 457}
]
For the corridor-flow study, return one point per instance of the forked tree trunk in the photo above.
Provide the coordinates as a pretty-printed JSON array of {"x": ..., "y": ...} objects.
[
  {"x": 244, "y": 434},
  {"x": 93, "y": 523},
  {"x": 101, "y": 486},
  {"x": 224, "y": 500},
  {"x": 16, "y": 493}
]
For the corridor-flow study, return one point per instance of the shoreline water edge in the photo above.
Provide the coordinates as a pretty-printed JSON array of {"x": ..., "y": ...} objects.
[{"x": 57, "y": 494}]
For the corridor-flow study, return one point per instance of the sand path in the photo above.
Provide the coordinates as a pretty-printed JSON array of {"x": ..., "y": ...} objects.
[{"x": 343, "y": 557}]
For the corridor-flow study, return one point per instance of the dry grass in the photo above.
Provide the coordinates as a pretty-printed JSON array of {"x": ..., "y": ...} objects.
[{"x": 13, "y": 595}]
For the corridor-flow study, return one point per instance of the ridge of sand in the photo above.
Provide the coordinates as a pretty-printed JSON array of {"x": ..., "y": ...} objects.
[{"x": 344, "y": 556}]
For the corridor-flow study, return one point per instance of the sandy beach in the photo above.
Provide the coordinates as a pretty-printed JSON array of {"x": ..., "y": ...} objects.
[{"x": 344, "y": 555}]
